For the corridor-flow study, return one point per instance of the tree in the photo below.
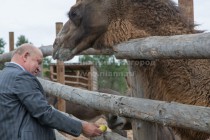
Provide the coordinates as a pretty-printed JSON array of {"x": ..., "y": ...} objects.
[
  {"x": 46, "y": 66},
  {"x": 21, "y": 40},
  {"x": 111, "y": 72},
  {"x": 2, "y": 44}
]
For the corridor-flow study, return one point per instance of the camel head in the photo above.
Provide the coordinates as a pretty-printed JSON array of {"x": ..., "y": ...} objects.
[
  {"x": 103, "y": 23},
  {"x": 83, "y": 28}
]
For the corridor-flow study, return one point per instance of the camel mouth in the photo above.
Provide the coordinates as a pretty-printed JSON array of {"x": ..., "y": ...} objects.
[
  {"x": 64, "y": 51},
  {"x": 61, "y": 51},
  {"x": 64, "y": 47},
  {"x": 62, "y": 54},
  {"x": 117, "y": 126},
  {"x": 117, "y": 122},
  {"x": 72, "y": 40}
]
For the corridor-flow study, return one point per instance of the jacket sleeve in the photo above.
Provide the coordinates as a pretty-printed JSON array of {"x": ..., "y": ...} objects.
[{"x": 28, "y": 90}]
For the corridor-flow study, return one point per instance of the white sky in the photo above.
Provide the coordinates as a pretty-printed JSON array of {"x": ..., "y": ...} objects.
[{"x": 36, "y": 18}]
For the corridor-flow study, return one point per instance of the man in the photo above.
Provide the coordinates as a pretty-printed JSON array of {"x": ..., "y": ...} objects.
[{"x": 24, "y": 111}]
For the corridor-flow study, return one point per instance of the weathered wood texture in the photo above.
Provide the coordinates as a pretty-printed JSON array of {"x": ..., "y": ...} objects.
[
  {"x": 171, "y": 114},
  {"x": 83, "y": 75},
  {"x": 11, "y": 41},
  {"x": 47, "y": 51},
  {"x": 157, "y": 47},
  {"x": 61, "y": 79},
  {"x": 147, "y": 131},
  {"x": 109, "y": 136},
  {"x": 188, "y": 9},
  {"x": 60, "y": 72},
  {"x": 59, "y": 136}
]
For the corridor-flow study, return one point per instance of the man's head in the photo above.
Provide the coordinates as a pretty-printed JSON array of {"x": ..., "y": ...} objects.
[{"x": 29, "y": 57}]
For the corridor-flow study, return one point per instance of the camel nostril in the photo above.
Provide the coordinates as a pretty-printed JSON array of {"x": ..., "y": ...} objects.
[{"x": 113, "y": 118}]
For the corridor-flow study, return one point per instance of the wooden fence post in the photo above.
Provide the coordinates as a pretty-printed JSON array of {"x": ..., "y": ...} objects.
[
  {"x": 142, "y": 130},
  {"x": 60, "y": 72},
  {"x": 188, "y": 9},
  {"x": 11, "y": 41}
]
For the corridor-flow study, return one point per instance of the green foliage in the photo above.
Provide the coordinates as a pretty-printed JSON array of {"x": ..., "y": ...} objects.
[
  {"x": 21, "y": 40},
  {"x": 46, "y": 67},
  {"x": 46, "y": 62},
  {"x": 46, "y": 73},
  {"x": 2, "y": 44},
  {"x": 111, "y": 72}
]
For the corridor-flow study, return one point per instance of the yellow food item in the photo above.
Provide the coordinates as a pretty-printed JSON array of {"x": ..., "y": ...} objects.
[{"x": 103, "y": 128}]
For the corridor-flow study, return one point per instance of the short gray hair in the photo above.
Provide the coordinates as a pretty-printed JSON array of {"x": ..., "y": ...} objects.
[{"x": 20, "y": 50}]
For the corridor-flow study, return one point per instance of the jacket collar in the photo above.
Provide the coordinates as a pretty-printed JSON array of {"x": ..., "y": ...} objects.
[{"x": 14, "y": 65}]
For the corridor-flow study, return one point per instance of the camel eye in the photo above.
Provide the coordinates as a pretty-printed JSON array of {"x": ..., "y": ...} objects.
[
  {"x": 72, "y": 14},
  {"x": 75, "y": 16}
]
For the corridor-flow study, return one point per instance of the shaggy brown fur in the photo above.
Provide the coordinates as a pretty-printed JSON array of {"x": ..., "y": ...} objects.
[{"x": 104, "y": 23}]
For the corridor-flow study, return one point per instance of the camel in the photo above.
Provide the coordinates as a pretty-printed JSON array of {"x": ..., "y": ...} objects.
[
  {"x": 119, "y": 123},
  {"x": 104, "y": 23}
]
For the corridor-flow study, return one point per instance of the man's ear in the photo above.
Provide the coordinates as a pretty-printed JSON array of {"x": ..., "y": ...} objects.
[{"x": 25, "y": 56}]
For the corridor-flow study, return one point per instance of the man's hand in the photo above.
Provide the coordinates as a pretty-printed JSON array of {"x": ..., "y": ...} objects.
[{"x": 90, "y": 129}]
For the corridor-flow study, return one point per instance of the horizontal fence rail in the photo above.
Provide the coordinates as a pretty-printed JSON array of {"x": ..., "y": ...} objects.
[
  {"x": 47, "y": 51},
  {"x": 170, "y": 114},
  {"x": 165, "y": 47},
  {"x": 156, "y": 47}
]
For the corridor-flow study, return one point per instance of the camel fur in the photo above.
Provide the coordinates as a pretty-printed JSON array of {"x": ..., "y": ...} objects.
[{"x": 105, "y": 23}]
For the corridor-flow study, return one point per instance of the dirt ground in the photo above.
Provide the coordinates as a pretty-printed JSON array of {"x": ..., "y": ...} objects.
[{"x": 99, "y": 122}]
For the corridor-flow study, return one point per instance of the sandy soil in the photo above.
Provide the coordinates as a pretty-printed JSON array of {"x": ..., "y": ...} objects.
[{"x": 99, "y": 122}]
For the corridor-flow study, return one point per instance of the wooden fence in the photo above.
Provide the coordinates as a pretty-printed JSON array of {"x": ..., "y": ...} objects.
[
  {"x": 170, "y": 114},
  {"x": 192, "y": 46}
]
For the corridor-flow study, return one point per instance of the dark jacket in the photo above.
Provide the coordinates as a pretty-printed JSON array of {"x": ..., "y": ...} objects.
[{"x": 24, "y": 111}]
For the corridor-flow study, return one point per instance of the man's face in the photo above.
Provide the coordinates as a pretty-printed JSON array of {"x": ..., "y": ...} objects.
[{"x": 33, "y": 63}]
